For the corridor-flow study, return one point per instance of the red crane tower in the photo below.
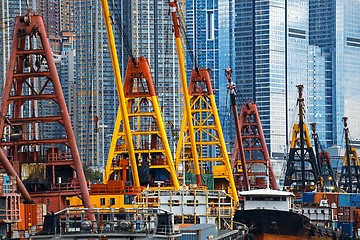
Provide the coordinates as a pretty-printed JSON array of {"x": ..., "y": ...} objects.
[
  {"x": 48, "y": 165},
  {"x": 250, "y": 161}
]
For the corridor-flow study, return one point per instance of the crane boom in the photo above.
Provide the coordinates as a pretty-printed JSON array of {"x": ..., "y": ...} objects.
[
  {"x": 173, "y": 9},
  {"x": 228, "y": 73},
  {"x": 203, "y": 129},
  {"x": 122, "y": 103}
]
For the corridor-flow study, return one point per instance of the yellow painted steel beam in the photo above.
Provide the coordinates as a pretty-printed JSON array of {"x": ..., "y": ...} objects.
[
  {"x": 180, "y": 143},
  {"x": 143, "y": 151},
  {"x": 161, "y": 127},
  {"x": 188, "y": 115},
  {"x": 296, "y": 137},
  {"x": 353, "y": 157},
  {"x": 141, "y": 114},
  {"x": 223, "y": 147},
  {"x": 112, "y": 148},
  {"x": 120, "y": 91}
]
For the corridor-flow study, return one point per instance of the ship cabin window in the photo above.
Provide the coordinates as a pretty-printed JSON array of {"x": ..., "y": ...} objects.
[
  {"x": 112, "y": 201},
  {"x": 102, "y": 201},
  {"x": 128, "y": 199},
  {"x": 268, "y": 198},
  {"x": 191, "y": 202},
  {"x": 174, "y": 202}
]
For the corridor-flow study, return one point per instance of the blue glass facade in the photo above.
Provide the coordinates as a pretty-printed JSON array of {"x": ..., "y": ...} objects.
[
  {"x": 297, "y": 59},
  {"x": 226, "y": 60},
  {"x": 347, "y": 71},
  {"x": 260, "y": 63},
  {"x": 209, "y": 29},
  {"x": 334, "y": 29},
  {"x": 321, "y": 55},
  {"x": 271, "y": 44},
  {"x": 320, "y": 93}
]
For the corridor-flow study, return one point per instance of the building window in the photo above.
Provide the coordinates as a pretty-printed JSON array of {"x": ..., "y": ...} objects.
[
  {"x": 112, "y": 201},
  {"x": 210, "y": 25},
  {"x": 102, "y": 201}
]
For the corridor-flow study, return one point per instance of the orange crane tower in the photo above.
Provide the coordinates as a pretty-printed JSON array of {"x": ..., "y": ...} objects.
[
  {"x": 139, "y": 133},
  {"x": 201, "y": 128}
]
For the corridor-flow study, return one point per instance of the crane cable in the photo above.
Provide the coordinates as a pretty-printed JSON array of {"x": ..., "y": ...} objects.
[
  {"x": 116, "y": 20},
  {"x": 187, "y": 42}
]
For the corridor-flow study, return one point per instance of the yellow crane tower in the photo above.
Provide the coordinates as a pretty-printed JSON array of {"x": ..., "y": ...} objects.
[
  {"x": 139, "y": 139},
  {"x": 201, "y": 128}
]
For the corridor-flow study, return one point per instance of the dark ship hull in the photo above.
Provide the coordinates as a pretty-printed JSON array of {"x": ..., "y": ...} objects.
[{"x": 272, "y": 224}]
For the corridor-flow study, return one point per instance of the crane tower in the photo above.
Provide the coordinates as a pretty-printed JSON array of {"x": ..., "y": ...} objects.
[
  {"x": 302, "y": 170},
  {"x": 49, "y": 165},
  {"x": 350, "y": 171},
  {"x": 201, "y": 129}
]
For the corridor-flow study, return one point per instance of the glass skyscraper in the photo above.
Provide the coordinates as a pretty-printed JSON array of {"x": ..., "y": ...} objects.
[
  {"x": 334, "y": 33},
  {"x": 271, "y": 44}
]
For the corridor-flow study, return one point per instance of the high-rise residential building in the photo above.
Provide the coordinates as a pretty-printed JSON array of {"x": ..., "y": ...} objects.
[
  {"x": 91, "y": 65},
  {"x": 9, "y": 10},
  {"x": 59, "y": 19},
  {"x": 51, "y": 11},
  {"x": 334, "y": 33},
  {"x": 271, "y": 41}
]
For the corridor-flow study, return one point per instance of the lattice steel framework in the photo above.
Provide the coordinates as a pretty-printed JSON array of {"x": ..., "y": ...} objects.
[
  {"x": 302, "y": 170},
  {"x": 147, "y": 130},
  {"x": 255, "y": 151},
  {"x": 350, "y": 171},
  {"x": 49, "y": 164},
  {"x": 324, "y": 161},
  {"x": 210, "y": 144}
]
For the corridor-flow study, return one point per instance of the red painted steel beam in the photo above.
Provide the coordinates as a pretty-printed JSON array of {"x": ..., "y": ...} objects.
[
  {"x": 36, "y": 142},
  {"x": 32, "y": 74},
  {"x": 11, "y": 172},
  {"x": 31, "y": 51},
  {"x": 32, "y": 97},
  {"x": 36, "y": 119}
]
